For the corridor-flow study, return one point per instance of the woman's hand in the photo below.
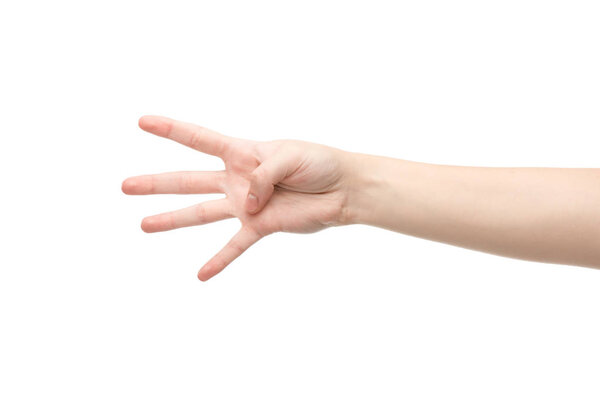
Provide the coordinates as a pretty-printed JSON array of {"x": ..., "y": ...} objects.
[
  {"x": 539, "y": 214},
  {"x": 283, "y": 185}
]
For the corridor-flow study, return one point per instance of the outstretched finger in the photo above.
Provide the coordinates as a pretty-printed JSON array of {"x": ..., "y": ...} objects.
[
  {"x": 192, "y": 182},
  {"x": 203, "y": 213},
  {"x": 239, "y": 243},
  {"x": 191, "y": 135}
]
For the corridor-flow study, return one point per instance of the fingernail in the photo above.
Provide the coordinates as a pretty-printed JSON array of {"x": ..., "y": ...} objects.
[{"x": 251, "y": 202}]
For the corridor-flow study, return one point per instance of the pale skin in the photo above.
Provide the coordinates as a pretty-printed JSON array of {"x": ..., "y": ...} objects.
[{"x": 539, "y": 214}]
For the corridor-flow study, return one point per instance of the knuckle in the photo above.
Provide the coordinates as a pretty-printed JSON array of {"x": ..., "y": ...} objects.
[
  {"x": 169, "y": 128},
  {"x": 201, "y": 216},
  {"x": 170, "y": 220},
  {"x": 236, "y": 247},
  {"x": 186, "y": 183},
  {"x": 195, "y": 140},
  {"x": 151, "y": 184},
  {"x": 258, "y": 176}
]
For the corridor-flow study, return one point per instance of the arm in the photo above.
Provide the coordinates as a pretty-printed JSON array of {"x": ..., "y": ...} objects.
[{"x": 540, "y": 214}]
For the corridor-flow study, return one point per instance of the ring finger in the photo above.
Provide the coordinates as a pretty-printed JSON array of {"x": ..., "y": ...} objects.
[{"x": 199, "y": 214}]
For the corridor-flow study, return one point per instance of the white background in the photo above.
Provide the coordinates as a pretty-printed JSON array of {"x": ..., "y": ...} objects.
[{"x": 93, "y": 308}]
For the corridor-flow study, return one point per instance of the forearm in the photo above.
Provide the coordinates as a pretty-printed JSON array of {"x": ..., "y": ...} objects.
[{"x": 541, "y": 214}]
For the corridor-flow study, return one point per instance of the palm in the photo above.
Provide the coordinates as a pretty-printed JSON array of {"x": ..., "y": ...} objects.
[
  {"x": 298, "y": 186},
  {"x": 305, "y": 201}
]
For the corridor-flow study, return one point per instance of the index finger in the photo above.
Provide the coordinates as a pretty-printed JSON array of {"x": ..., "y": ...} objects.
[{"x": 191, "y": 135}]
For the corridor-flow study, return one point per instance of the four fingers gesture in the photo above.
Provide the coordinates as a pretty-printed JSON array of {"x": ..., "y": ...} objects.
[{"x": 272, "y": 186}]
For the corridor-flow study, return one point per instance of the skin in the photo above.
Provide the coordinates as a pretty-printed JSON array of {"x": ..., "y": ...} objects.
[{"x": 539, "y": 214}]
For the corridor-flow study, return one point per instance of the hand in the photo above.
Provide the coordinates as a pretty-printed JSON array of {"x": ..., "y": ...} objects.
[{"x": 282, "y": 185}]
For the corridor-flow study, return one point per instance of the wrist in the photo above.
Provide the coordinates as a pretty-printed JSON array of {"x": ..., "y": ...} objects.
[{"x": 364, "y": 181}]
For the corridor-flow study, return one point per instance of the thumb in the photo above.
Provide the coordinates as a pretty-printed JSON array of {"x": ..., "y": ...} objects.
[{"x": 264, "y": 178}]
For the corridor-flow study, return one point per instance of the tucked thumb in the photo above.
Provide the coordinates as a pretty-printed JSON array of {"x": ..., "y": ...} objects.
[{"x": 263, "y": 180}]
